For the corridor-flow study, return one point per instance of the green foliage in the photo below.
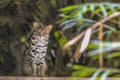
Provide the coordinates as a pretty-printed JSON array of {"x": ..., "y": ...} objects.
[
  {"x": 83, "y": 71},
  {"x": 81, "y": 17},
  {"x": 23, "y": 40},
  {"x": 60, "y": 37},
  {"x": 106, "y": 46},
  {"x": 53, "y": 2},
  {"x": 76, "y": 10},
  {"x": 72, "y": 14},
  {"x": 113, "y": 55}
]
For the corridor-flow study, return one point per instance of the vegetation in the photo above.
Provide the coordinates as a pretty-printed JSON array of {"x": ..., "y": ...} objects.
[
  {"x": 83, "y": 43},
  {"x": 101, "y": 49}
]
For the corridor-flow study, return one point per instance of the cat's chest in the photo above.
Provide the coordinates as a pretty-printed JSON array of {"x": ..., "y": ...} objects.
[{"x": 38, "y": 45}]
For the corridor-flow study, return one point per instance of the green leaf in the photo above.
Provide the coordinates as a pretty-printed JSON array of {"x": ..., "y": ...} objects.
[
  {"x": 113, "y": 55},
  {"x": 92, "y": 7},
  {"x": 67, "y": 21},
  {"x": 69, "y": 25},
  {"x": 106, "y": 46},
  {"x": 23, "y": 39},
  {"x": 97, "y": 51},
  {"x": 96, "y": 11},
  {"x": 56, "y": 34},
  {"x": 68, "y": 8},
  {"x": 63, "y": 15},
  {"x": 83, "y": 71},
  {"x": 62, "y": 40},
  {"x": 93, "y": 46},
  {"x": 112, "y": 8},
  {"x": 96, "y": 74},
  {"x": 84, "y": 9},
  {"x": 62, "y": 20},
  {"x": 117, "y": 75},
  {"x": 80, "y": 17},
  {"x": 103, "y": 10},
  {"x": 74, "y": 78},
  {"x": 86, "y": 73},
  {"x": 76, "y": 67},
  {"x": 83, "y": 26},
  {"x": 104, "y": 75},
  {"x": 53, "y": 2},
  {"x": 109, "y": 27},
  {"x": 76, "y": 73}
]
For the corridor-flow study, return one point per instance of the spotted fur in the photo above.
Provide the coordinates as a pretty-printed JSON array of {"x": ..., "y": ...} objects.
[{"x": 34, "y": 59}]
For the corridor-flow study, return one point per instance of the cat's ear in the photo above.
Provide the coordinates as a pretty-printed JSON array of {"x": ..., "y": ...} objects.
[
  {"x": 48, "y": 28},
  {"x": 36, "y": 25}
]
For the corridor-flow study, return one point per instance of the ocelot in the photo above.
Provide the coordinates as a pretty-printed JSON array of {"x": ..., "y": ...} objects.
[{"x": 34, "y": 62}]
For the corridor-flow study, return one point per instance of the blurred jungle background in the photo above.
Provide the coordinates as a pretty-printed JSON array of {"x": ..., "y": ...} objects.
[{"x": 85, "y": 40}]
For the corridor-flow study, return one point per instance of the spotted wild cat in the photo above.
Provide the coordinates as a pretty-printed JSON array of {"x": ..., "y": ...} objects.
[{"x": 34, "y": 63}]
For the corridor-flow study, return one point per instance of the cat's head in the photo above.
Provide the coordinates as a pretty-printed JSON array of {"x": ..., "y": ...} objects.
[{"x": 42, "y": 30}]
